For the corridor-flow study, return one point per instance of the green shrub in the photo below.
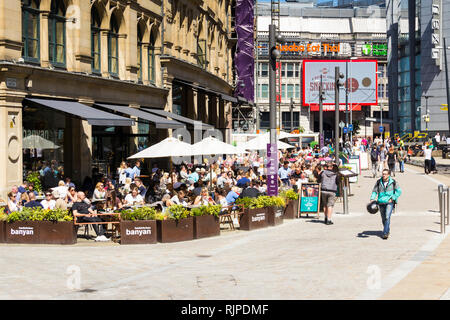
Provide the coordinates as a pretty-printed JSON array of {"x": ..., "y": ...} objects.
[
  {"x": 178, "y": 212},
  {"x": 289, "y": 195},
  {"x": 34, "y": 178},
  {"x": 209, "y": 209},
  {"x": 248, "y": 203},
  {"x": 144, "y": 213},
  {"x": 3, "y": 215},
  {"x": 39, "y": 214}
]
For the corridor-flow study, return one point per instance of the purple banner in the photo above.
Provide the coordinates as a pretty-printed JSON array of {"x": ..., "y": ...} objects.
[
  {"x": 244, "y": 57},
  {"x": 272, "y": 170}
]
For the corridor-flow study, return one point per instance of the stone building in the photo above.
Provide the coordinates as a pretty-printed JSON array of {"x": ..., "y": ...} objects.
[
  {"x": 359, "y": 32},
  {"x": 86, "y": 83}
]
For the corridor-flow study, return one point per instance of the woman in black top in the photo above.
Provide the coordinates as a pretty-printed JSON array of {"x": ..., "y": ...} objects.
[{"x": 392, "y": 159}]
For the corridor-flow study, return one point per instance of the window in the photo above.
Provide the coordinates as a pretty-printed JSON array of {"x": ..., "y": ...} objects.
[
  {"x": 264, "y": 120},
  {"x": 283, "y": 91},
  {"x": 264, "y": 69},
  {"x": 283, "y": 70},
  {"x": 151, "y": 59},
  {"x": 139, "y": 52},
  {"x": 381, "y": 70},
  {"x": 264, "y": 91},
  {"x": 290, "y": 91},
  {"x": 201, "y": 53},
  {"x": 297, "y": 70},
  {"x": 95, "y": 41},
  {"x": 286, "y": 119},
  {"x": 380, "y": 90},
  {"x": 113, "y": 47},
  {"x": 297, "y": 91},
  {"x": 290, "y": 70},
  {"x": 30, "y": 30},
  {"x": 57, "y": 34}
]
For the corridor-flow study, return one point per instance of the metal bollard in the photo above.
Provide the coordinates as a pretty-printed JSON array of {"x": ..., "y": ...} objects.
[
  {"x": 444, "y": 207},
  {"x": 440, "y": 187},
  {"x": 345, "y": 199},
  {"x": 448, "y": 207}
]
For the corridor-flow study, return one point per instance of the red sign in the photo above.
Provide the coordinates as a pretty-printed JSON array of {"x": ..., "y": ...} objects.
[
  {"x": 278, "y": 81},
  {"x": 355, "y": 107}
]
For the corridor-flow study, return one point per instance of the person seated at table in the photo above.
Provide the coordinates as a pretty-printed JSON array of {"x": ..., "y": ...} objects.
[
  {"x": 221, "y": 197},
  {"x": 141, "y": 188},
  {"x": 250, "y": 191},
  {"x": 48, "y": 202},
  {"x": 134, "y": 198},
  {"x": 61, "y": 188},
  {"x": 60, "y": 203},
  {"x": 232, "y": 195},
  {"x": 33, "y": 203},
  {"x": 204, "y": 198},
  {"x": 112, "y": 201},
  {"x": 166, "y": 202},
  {"x": 13, "y": 204},
  {"x": 99, "y": 192},
  {"x": 127, "y": 186},
  {"x": 31, "y": 189},
  {"x": 24, "y": 198},
  {"x": 178, "y": 198},
  {"x": 198, "y": 186},
  {"x": 71, "y": 195},
  {"x": 81, "y": 207}
]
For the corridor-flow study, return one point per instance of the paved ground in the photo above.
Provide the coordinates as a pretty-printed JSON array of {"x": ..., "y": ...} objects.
[{"x": 300, "y": 259}]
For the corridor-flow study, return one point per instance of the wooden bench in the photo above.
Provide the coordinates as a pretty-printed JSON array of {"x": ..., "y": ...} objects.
[
  {"x": 228, "y": 213},
  {"x": 115, "y": 223}
]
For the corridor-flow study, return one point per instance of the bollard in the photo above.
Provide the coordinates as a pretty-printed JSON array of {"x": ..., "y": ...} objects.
[
  {"x": 448, "y": 208},
  {"x": 345, "y": 199},
  {"x": 444, "y": 206},
  {"x": 440, "y": 187}
]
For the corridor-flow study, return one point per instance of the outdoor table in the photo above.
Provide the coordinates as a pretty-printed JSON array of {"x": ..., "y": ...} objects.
[{"x": 109, "y": 219}]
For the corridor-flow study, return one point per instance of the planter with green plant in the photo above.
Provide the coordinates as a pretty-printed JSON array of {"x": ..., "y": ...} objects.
[
  {"x": 254, "y": 216},
  {"x": 176, "y": 224},
  {"x": 3, "y": 218},
  {"x": 275, "y": 209},
  {"x": 206, "y": 221},
  {"x": 34, "y": 178},
  {"x": 291, "y": 209},
  {"x": 40, "y": 226},
  {"x": 138, "y": 226}
]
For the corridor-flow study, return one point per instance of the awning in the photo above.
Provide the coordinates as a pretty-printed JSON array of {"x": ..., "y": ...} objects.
[
  {"x": 160, "y": 122},
  {"x": 178, "y": 118},
  {"x": 229, "y": 98},
  {"x": 93, "y": 116}
]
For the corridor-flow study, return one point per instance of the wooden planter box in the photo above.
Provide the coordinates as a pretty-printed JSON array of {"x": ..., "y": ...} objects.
[
  {"x": 206, "y": 226},
  {"x": 2, "y": 232},
  {"x": 138, "y": 232},
  {"x": 275, "y": 215},
  {"x": 41, "y": 232},
  {"x": 173, "y": 231},
  {"x": 291, "y": 209},
  {"x": 253, "y": 219},
  {"x": 61, "y": 232}
]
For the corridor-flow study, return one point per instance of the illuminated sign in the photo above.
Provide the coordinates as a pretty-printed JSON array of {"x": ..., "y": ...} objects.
[{"x": 374, "y": 49}]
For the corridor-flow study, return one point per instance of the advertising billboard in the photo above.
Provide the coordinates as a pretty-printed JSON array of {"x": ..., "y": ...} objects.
[{"x": 361, "y": 83}]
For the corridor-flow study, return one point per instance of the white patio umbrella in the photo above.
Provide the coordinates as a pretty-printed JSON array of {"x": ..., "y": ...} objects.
[
  {"x": 213, "y": 146},
  {"x": 260, "y": 143},
  {"x": 169, "y": 147},
  {"x": 37, "y": 142}
]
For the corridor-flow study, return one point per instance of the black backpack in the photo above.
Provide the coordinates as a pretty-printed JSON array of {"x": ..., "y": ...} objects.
[{"x": 374, "y": 155}]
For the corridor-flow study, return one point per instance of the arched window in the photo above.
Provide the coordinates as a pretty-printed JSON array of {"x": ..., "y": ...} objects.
[
  {"x": 30, "y": 30},
  {"x": 57, "y": 33},
  {"x": 151, "y": 59},
  {"x": 95, "y": 40},
  {"x": 113, "y": 47},
  {"x": 139, "y": 51}
]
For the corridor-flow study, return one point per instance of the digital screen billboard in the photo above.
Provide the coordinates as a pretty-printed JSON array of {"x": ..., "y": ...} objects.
[{"x": 361, "y": 83}]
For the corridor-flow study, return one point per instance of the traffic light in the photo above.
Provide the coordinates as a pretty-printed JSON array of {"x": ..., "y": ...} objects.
[
  {"x": 340, "y": 81},
  {"x": 275, "y": 53},
  {"x": 322, "y": 95},
  {"x": 426, "y": 118}
]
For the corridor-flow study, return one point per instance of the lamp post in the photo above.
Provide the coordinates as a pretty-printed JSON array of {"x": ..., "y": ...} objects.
[
  {"x": 338, "y": 76},
  {"x": 426, "y": 111},
  {"x": 381, "y": 113},
  {"x": 446, "y": 79},
  {"x": 292, "y": 114}
]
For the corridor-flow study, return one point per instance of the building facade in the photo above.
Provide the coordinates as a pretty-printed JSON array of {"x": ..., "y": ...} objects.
[
  {"x": 85, "y": 83},
  {"x": 354, "y": 31}
]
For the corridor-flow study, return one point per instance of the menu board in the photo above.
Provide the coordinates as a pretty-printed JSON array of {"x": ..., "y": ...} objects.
[{"x": 309, "y": 198}]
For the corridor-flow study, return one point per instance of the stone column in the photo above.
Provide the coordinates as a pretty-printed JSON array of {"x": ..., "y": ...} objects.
[
  {"x": 11, "y": 160},
  {"x": 104, "y": 52}
]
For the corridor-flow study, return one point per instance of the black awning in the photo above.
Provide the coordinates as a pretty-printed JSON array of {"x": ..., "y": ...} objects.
[
  {"x": 179, "y": 118},
  {"x": 229, "y": 98},
  {"x": 93, "y": 116},
  {"x": 160, "y": 122}
]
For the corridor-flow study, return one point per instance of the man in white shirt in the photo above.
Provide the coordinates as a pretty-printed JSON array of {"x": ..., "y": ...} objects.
[
  {"x": 134, "y": 198},
  {"x": 427, "y": 154},
  {"x": 48, "y": 202},
  {"x": 178, "y": 198},
  {"x": 437, "y": 137}
]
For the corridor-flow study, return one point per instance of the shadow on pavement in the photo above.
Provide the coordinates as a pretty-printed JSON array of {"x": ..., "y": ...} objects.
[
  {"x": 433, "y": 231},
  {"x": 366, "y": 234},
  {"x": 316, "y": 221}
]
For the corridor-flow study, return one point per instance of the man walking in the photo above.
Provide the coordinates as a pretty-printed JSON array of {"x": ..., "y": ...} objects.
[
  {"x": 375, "y": 159},
  {"x": 387, "y": 191}
]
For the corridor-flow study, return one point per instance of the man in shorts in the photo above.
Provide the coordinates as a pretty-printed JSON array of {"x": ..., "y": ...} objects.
[{"x": 328, "y": 180}]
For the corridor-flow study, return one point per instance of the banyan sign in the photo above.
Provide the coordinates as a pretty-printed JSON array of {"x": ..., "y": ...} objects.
[{"x": 361, "y": 83}]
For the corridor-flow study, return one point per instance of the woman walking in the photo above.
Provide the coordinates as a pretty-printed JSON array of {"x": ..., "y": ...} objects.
[
  {"x": 402, "y": 158},
  {"x": 392, "y": 159}
]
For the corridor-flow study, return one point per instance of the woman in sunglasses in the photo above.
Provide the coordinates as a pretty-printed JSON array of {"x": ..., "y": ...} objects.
[{"x": 48, "y": 202}]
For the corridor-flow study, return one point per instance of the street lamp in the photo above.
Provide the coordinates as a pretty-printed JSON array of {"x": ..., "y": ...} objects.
[
  {"x": 381, "y": 113},
  {"x": 426, "y": 116}
]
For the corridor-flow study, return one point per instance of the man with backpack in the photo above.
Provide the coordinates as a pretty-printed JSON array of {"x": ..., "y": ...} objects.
[
  {"x": 374, "y": 158},
  {"x": 387, "y": 191}
]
